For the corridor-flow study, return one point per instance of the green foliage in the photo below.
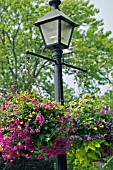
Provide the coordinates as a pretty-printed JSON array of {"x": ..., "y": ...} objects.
[{"x": 91, "y": 48}]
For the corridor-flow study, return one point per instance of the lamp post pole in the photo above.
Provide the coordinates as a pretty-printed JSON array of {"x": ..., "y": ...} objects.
[
  {"x": 61, "y": 161},
  {"x": 58, "y": 83},
  {"x": 56, "y": 29}
]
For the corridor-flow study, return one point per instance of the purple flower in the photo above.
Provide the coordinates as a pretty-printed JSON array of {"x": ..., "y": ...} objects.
[
  {"x": 12, "y": 106},
  {"x": 67, "y": 116},
  {"x": 68, "y": 110},
  {"x": 106, "y": 108},
  {"x": 93, "y": 111},
  {"x": 85, "y": 136},
  {"x": 89, "y": 138},
  {"x": 71, "y": 137},
  {"x": 96, "y": 136},
  {"x": 77, "y": 137},
  {"x": 111, "y": 134},
  {"x": 101, "y": 111},
  {"x": 15, "y": 113},
  {"x": 78, "y": 121}
]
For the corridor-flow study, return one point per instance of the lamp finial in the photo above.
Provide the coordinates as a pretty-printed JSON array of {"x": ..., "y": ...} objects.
[{"x": 55, "y": 3}]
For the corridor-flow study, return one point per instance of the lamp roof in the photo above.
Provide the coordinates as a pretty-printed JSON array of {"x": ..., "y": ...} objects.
[{"x": 55, "y": 14}]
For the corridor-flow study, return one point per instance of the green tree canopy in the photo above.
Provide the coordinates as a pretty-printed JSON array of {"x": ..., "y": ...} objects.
[{"x": 91, "y": 47}]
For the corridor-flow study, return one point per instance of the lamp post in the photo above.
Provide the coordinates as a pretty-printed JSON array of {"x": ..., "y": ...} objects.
[{"x": 56, "y": 29}]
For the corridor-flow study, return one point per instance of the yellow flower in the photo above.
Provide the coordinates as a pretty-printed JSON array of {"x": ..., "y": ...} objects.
[
  {"x": 33, "y": 113},
  {"x": 102, "y": 126},
  {"x": 95, "y": 128},
  {"x": 30, "y": 115}
]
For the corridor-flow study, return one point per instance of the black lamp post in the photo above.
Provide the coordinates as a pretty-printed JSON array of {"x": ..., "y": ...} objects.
[{"x": 56, "y": 30}]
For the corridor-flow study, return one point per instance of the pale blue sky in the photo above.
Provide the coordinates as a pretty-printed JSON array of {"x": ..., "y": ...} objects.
[{"x": 106, "y": 12}]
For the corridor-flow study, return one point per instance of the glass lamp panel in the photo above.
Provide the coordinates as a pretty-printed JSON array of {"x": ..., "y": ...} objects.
[
  {"x": 66, "y": 30},
  {"x": 50, "y": 32}
]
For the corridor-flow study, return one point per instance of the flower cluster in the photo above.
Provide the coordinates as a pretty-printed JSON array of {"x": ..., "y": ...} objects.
[
  {"x": 32, "y": 126},
  {"x": 91, "y": 130}
]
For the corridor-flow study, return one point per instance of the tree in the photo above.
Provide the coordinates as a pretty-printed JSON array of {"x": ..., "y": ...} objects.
[
  {"x": 91, "y": 45},
  {"x": 91, "y": 48}
]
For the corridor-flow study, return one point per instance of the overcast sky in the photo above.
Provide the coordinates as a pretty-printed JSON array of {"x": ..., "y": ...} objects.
[{"x": 106, "y": 12}]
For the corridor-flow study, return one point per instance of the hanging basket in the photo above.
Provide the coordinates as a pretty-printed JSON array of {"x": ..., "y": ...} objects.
[{"x": 32, "y": 126}]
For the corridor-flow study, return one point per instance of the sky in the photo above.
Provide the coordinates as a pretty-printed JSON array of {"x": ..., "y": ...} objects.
[{"x": 106, "y": 13}]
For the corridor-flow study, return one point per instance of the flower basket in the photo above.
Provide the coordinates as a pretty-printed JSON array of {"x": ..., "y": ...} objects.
[
  {"x": 32, "y": 126},
  {"x": 91, "y": 129}
]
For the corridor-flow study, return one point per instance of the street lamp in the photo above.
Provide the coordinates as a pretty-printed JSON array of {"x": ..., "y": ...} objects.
[{"x": 56, "y": 29}]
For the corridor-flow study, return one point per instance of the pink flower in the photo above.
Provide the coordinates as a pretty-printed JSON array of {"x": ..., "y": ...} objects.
[
  {"x": 27, "y": 156},
  {"x": 25, "y": 131},
  {"x": 96, "y": 123},
  {"x": 57, "y": 129},
  {"x": 12, "y": 106},
  {"x": 32, "y": 131},
  {"x": 101, "y": 111},
  {"x": 37, "y": 130},
  {"x": 3, "y": 106},
  {"x": 35, "y": 101},
  {"x": 7, "y": 103},
  {"x": 77, "y": 137},
  {"x": 15, "y": 148},
  {"x": 38, "y": 117},
  {"x": 89, "y": 138},
  {"x": 42, "y": 120},
  {"x": 77, "y": 113},
  {"x": 34, "y": 122},
  {"x": 20, "y": 146},
  {"x": 17, "y": 121},
  {"x": 37, "y": 107},
  {"x": 26, "y": 124},
  {"x": 41, "y": 156},
  {"x": 101, "y": 137},
  {"x": 15, "y": 113},
  {"x": 64, "y": 127}
]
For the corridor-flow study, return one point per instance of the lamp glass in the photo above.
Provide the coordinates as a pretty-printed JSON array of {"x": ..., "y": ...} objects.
[
  {"x": 66, "y": 30},
  {"x": 50, "y": 32}
]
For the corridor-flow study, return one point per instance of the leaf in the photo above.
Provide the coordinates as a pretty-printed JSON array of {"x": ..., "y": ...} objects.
[
  {"x": 47, "y": 139},
  {"x": 46, "y": 127},
  {"x": 5, "y": 136},
  {"x": 91, "y": 147},
  {"x": 97, "y": 145},
  {"x": 41, "y": 137},
  {"x": 93, "y": 155}
]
